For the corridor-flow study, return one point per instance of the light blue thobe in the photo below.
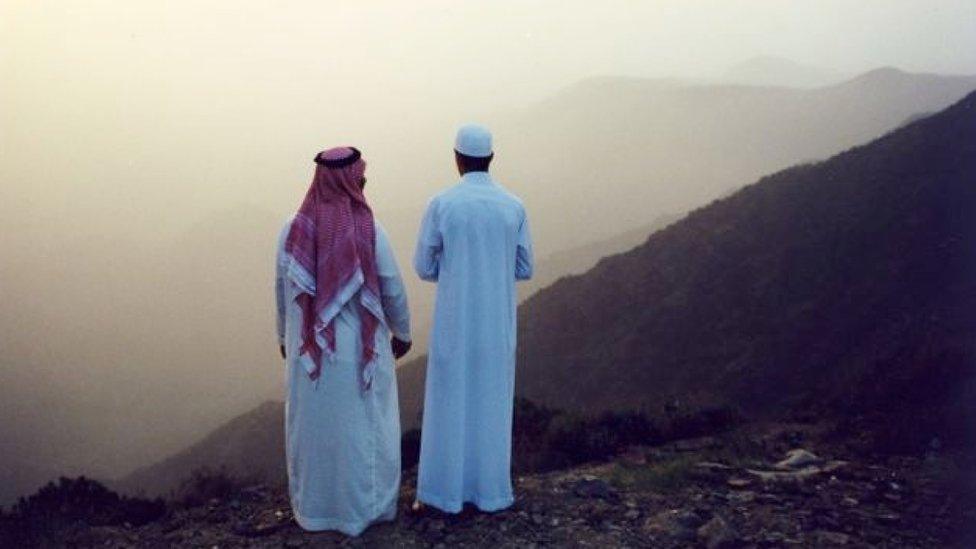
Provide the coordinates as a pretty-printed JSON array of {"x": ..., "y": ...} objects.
[
  {"x": 474, "y": 242},
  {"x": 343, "y": 444}
]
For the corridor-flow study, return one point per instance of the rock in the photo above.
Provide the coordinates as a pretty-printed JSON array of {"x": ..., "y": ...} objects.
[
  {"x": 713, "y": 466},
  {"x": 798, "y": 459},
  {"x": 832, "y": 466},
  {"x": 717, "y": 533},
  {"x": 784, "y": 476},
  {"x": 739, "y": 482},
  {"x": 796, "y": 475},
  {"x": 675, "y": 522},
  {"x": 593, "y": 488},
  {"x": 710, "y": 471}
]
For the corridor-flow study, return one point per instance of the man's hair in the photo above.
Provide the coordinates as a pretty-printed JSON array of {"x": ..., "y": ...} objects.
[{"x": 474, "y": 163}]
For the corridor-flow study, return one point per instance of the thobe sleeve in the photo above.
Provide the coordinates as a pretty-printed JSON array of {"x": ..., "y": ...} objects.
[
  {"x": 394, "y": 295},
  {"x": 523, "y": 252},
  {"x": 426, "y": 259},
  {"x": 280, "y": 284}
]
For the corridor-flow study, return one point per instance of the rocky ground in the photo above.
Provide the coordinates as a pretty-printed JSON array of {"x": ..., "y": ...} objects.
[{"x": 734, "y": 491}]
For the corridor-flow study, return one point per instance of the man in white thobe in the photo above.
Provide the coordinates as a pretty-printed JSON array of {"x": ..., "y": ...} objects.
[{"x": 474, "y": 243}]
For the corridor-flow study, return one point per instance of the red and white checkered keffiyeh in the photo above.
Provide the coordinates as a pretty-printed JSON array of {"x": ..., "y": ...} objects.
[{"x": 331, "y": 246}]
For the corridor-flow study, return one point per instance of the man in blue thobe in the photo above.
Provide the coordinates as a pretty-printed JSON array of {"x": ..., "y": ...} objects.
[{"x": 474, "y": 243}]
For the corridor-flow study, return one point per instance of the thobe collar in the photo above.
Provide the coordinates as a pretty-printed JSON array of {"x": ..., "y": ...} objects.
[{"x": 476, "y": 177}]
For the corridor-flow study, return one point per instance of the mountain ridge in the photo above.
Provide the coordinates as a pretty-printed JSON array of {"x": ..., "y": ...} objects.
[{"x": 545, "y": 364}]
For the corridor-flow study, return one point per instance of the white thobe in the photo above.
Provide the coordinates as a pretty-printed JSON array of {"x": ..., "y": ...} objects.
[
  {"x": 342, "y": 444},
  {"x": 474, "y": 242}
]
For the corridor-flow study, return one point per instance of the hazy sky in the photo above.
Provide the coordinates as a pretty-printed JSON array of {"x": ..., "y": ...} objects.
[{"x": 136, "y": 89}]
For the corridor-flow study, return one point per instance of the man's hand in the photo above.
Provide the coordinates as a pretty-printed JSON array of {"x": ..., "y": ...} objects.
[
  {"x": 282, "y": 349},
  {"x": 400, "y": 347}
]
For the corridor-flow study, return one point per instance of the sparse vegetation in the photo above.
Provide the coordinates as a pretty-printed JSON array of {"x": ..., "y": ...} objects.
[
  {"x": 664, "y": 476},
  {"x": 73, "y": 501},
  {"x": 547, "y": 439},
  {"x": 205, "y": 484}
]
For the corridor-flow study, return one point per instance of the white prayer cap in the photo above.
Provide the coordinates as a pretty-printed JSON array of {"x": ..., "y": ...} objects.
[{"x": 473, "y": 140}]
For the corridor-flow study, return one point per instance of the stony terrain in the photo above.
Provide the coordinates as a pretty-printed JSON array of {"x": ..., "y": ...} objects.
[{"x": 780, "y": 488}]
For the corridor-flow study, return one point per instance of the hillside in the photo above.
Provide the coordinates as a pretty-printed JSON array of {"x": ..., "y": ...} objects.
[
  {"x": 578, "y": 260},
  {"x": 845, "y": 287},
  {"x": 250, "y": 446}
]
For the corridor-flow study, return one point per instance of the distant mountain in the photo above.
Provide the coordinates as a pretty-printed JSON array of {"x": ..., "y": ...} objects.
[
  {"x": 769, "y": 70},
  {"x": 609, "y": 154},
  {"x": 842, "y": 287},
  {"x": 251, "y": 445}
]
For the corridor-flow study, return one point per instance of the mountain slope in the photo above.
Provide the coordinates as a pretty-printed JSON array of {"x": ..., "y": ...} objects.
[
  {"x": 642, "y": 147},
  {"x": 251, "y": 445},
  {"x": 548, "y": 269},
  {"x": 578, "y": 260},
  {"x": 846, "y": 285}
]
